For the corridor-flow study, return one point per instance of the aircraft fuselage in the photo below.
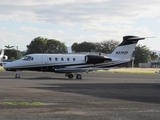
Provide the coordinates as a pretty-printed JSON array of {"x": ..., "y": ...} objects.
[{"x": 53, "y": 62}]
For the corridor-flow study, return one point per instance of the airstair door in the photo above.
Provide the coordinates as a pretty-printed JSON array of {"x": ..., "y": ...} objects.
[
  {"x": 45, "y": 62},
  {"x": 45, "y": 59}
]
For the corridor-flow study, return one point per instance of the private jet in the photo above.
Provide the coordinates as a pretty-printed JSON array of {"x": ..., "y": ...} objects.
[{"x": 72, "y": 65}]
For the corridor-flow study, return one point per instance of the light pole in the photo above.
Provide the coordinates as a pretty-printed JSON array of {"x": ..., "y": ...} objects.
[
  {"x": 132, "y": 59},
  {"x": 17, "y": 51}
]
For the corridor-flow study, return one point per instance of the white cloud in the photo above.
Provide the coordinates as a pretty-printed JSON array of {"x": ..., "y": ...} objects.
[
  {"x": 46, "y": 32},
  {"x": 114, "y": 32},
  {"x": 116, "y": 28},
  {"x": 9, "y": 38},
  {"x": 29, "y": 29},
  {"x": 143, "y": 31},
  {"x": 3, "y": 28},
  {"x": 73, "y": 11},
  {"x": 106, "y": 19}
]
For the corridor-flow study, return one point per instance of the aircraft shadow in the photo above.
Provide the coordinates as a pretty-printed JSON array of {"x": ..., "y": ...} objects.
[
  {"x": 138, "y": 92},
  {"x": 46, "y": 78},
  {"x": 36, "y": 78}
]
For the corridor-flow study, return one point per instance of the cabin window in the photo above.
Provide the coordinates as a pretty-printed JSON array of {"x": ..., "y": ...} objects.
[
  {"x": 74, "y": 59},
  {"x": 56, "y": 59},
  {"x": 50, "y": 58},
  {"x": 67, "y": 59},
  {"x": 62, "y": 59},
  {"x": 85, "y": 58}
]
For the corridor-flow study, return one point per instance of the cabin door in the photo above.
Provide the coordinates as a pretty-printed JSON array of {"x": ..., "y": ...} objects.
[{"x": 44, "y": 61}]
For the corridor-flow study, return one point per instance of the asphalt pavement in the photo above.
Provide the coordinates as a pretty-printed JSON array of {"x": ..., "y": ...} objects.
[{"x": 98, "y": 96}]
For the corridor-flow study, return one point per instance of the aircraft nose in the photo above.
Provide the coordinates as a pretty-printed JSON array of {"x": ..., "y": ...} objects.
[
  {"x": 6, "y": 66},
  {"x": 12, "y": 66}
]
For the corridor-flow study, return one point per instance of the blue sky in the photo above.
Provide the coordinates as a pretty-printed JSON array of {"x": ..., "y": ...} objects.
[{"x": 76, "y": 21}]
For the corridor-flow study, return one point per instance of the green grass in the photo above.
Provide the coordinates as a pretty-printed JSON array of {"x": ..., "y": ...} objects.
[{"x": 23, "y": 103}]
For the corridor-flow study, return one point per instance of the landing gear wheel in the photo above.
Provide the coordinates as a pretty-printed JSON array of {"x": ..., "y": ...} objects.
[
  {"x": 17, "y": 76},
  {"x": 79, "y": 76},
  {"x": 70, "y": 76}
]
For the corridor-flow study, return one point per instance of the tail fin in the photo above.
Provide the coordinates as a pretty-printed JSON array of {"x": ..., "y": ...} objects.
[
  {"x": 126, "y": 48},
  {"x": 2, "y": 54}
]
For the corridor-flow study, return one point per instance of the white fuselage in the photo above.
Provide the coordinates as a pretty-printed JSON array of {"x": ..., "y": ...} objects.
[
  {"x": 50, "y": 62},
  {"x": 74, "y": 63}
]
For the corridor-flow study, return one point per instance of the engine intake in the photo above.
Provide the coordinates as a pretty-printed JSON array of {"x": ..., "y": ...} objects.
[{"x": 5, "y": 57}]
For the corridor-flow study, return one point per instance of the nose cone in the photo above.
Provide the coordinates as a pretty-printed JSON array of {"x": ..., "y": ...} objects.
[
  {"x": 11, "y": 66},
  {"x": 7, "y": 66}
]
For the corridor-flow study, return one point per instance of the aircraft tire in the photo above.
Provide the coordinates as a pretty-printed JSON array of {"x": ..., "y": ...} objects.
[
  {"x": 17, "y": 76},
  {"x": 79, "y": 76},
  {"x": 70, "y": 76}
]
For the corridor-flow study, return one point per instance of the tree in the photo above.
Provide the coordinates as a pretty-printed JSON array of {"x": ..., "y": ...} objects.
[
  {"x": 153, "y": 56},
  {"x": 141, "y": 54},
  {"x": 83, "y": 47},
  {"x": 13, "y": 54},
  {"x": 37, "y": 45},
  {"x": 44, "y": 45},
  {"x": 9, "y": 47},
  {"x": 108, "y": 46},
  {"x": 98, "y": 47},
  {"x": 74, "y": 47},
  {"x": 105, "y": 46},
  {"x": 55, "y": 46}
]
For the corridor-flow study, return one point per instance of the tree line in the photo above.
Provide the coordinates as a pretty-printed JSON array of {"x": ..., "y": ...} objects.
[{"x": 142, "y": 54}]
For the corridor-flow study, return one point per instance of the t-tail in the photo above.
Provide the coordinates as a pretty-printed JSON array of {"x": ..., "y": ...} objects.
[
  {"x": 3, "y": 57},
  {"x": 126, "y": 47},
  {"x": 2, "y": 54}
]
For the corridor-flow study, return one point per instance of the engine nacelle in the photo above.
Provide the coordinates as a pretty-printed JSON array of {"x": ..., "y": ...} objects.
[
  {"x": 4, "y": 57},
  {"x": 95, "y": 59}
]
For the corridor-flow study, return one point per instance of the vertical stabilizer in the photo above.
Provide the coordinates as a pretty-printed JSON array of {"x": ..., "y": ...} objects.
[
  {"x": 126, "y": 48},
  {"x": 2, "y": 54}
]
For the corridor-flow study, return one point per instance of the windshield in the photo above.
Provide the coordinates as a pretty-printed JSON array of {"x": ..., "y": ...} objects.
[{"x": 27, "y": 58}]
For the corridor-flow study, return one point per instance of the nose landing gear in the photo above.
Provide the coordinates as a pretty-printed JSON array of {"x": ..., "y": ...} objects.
[{"x": 17, "y": 74}]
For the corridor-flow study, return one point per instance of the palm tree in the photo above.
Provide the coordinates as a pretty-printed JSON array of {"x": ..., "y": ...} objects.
[
  {"x": 9, "y": 47},
  {"x": 153, "y": 56}
]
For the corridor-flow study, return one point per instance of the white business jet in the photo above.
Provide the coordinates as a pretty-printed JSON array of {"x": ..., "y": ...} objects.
[{"x": 74, "y": 64}]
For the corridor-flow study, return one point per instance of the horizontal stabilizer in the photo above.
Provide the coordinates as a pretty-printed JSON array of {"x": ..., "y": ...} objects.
[
  {"x": 137, "y": 38},
  {"x": 126, "y": 47}
]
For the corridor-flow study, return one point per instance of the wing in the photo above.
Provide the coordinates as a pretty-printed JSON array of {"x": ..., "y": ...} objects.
[
  {"x": 67, "y": 70},
  {"x": 3, "y": 62}
]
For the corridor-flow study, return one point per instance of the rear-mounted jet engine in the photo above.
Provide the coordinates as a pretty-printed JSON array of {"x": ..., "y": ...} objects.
[{"x": 95, "y": 59}]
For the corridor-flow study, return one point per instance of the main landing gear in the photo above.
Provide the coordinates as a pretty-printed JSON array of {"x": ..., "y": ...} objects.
[
  {"x": 17, "y": 74},
  {"x": 71, "y": 75}
]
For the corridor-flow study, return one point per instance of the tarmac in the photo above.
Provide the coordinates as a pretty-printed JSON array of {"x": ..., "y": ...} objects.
[{"x": 98, "y": 96}]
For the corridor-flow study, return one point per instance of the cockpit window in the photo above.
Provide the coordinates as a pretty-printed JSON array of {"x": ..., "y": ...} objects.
[{"x": 27, "y": 58}]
